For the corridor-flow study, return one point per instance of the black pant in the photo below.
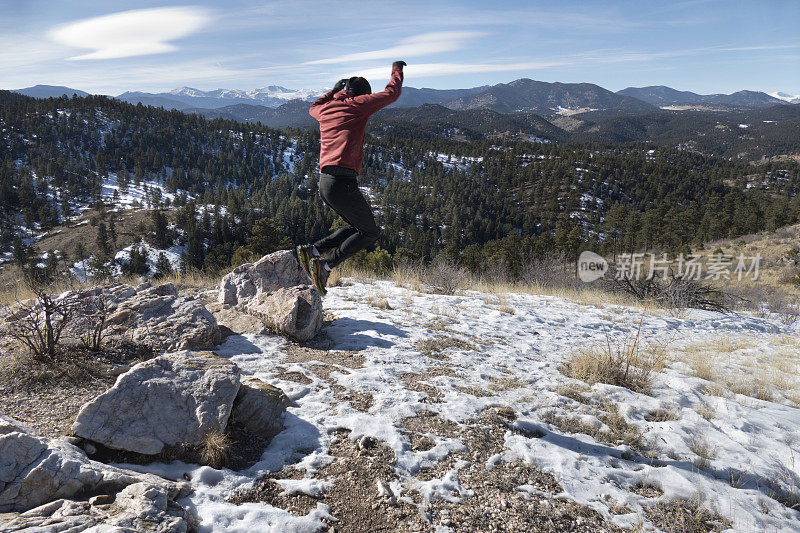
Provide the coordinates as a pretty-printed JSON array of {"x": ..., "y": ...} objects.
[{"x": 342, "y": 195}]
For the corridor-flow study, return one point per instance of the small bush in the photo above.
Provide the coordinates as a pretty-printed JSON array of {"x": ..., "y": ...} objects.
[
  {"x": 446, "y": 277},
  {"x": 38, "y": 324},
  {"x": 624, "y": 364}
]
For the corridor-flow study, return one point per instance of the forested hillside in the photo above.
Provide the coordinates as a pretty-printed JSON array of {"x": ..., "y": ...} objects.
[{"x": 472, "y": 201}]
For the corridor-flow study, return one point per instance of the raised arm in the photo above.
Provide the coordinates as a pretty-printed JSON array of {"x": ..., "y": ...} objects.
[
  {"x": 371, "y": 103},
  {"x": 325, "y": 98}
]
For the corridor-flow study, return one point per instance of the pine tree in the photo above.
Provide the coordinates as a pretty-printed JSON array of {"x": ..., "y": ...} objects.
[
  {"x": 66, "y": 210},
  {"x": 112, "y": 230},
  {"x": 137, "y": 262},
  {"x": 195, "y": 250},
  {"x": 266, "y": 238},
  {"x": 163, "y": 238},
  {"x": 102, "y": 239},
  {"x": 163, "y": 267}
]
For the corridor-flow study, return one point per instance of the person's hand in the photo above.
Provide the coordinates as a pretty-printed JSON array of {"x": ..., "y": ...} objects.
[
  {"x": 340, "y": 85},
  {"x": 399, "y": 64}
]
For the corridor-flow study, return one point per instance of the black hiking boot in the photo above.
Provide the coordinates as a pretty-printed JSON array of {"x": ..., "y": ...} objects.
[
  {"x": 303, "y": 254},
  {"x": 319, "y": 274}
]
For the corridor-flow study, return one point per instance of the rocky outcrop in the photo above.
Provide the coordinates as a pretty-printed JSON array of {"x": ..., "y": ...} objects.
[
  {"x": 272, "y": 272},
  {"x": 163, "y": 319},
  {"x": 175, "y": 398},
  {"x": 296, "y": 311},
  {"x": 276, "y": 290},
  {"x": 34, "y": 471},
  {"x": 8, "y": 425},
  {"x": 259, "y": 408},
  {"x": 137, "y": 507}
]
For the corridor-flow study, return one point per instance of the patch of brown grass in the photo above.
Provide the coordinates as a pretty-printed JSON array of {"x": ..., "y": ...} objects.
[
  {"x": 624, "y": 363},
  {"x": 432, "y": 346},
  {"x": 214, "y": 449},
  {"x": 685, "y": 516},
  {"x": 665, "y": 413}
]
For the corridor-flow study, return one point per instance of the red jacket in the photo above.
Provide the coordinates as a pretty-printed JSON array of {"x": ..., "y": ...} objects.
[{"x": 343, "y": 120}]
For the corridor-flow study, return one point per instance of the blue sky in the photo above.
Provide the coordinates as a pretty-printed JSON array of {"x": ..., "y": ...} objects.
[{"x": 110, "y": 47}]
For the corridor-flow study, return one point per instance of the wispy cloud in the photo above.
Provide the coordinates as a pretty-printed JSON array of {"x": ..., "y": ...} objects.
[
  {"x": 449, "y": 69},
  {"x": 415, "y": 46},
  {"x": 131, "y": 33}
]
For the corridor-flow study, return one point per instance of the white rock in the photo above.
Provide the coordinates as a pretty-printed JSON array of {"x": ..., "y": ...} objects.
[
  {"x": 137, "y": 507},
  {"x": 294, "y": 311},
  {"x": 171, "y": 399},
  {"x": 161, "y": 318},
  {"x": 272, "y": 272},
  {"x": 34, "y": 471},
  {"x": 8, "y": 424}
]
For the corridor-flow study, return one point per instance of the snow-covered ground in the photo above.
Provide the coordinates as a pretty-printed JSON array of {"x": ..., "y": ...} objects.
[{"x": 511, "y": 350}]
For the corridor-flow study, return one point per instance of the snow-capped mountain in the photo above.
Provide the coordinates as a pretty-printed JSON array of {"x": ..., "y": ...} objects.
[
  {"x": 189, "y": 97},
  {"x": 786, "y": 97},
  {"x": 260, "y": 95}
]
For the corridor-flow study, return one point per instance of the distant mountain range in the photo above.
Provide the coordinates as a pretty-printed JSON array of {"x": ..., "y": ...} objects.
[
  {"x": 519, "y": 96},
  {"x": 524, "y": 107},
  {"x": 662, "y": 96},
  {"x": 50, "y": 91}
]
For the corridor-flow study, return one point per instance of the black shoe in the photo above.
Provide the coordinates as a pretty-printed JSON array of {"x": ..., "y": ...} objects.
[
  {"x": 319, "y": 274},
  {"x": 303, "y": 254}
]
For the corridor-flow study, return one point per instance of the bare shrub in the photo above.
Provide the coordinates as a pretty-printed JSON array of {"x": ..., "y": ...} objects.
[
  {"x": 675, "y": 291},
  {"x": 38, "y": 323},
  {"x": 786, "y": 307},
  {"x": 623, "y": 363},
  {"x": 552, "y": 271},
  {"x": 446, "y": 277},
  {"x": 89, "y": 326}
]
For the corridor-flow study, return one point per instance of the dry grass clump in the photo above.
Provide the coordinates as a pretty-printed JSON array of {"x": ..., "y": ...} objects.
[
  {"x": 624, "y": 363},
  {"x": 334, "y": 278},
  {"x": 575, "y": 391},
  {"x": 192, "y": 279},
  {"x": 715, "y": 389},
  {"x": 505, "y": 383},
  {"x": 618, "y": 430},
  {"x": 665, "y": 413},
  {"x": 704, "y": 451},
  {"x": 685, "y": 516},
  {"x": 755, "y": 388},
  {"x": 215, "y": 449},
  {"x": 431, "y": 347},
  {"x": 380, "y": 303},
  {"x": 706, "y": 411}
]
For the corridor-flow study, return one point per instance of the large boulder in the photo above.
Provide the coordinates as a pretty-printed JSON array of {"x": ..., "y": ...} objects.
[
  {"x": 296, "y": 311},
  {"x": 276, "y": 290},
  {"x": 163, "y": 319},
  {"x": 272, "y": 272},
  {"x": 176, "y": 398},
  {"x": 259, "y": 407},
  {"x": 35, "y": 470}
]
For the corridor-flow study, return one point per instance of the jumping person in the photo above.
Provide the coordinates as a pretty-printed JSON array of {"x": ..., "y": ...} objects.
[{"x": 342, "y": 114}]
